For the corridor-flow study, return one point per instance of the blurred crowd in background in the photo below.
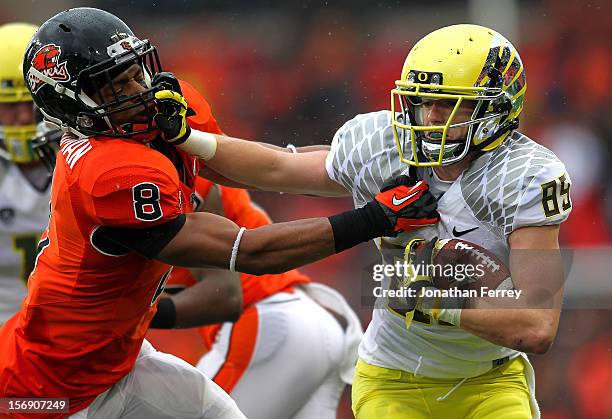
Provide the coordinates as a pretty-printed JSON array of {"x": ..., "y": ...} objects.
[{"x": 294, "y": 72}]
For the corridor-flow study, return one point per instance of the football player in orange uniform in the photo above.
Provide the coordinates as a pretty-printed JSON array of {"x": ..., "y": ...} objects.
[
  {"x": 284, "y": 332},
  {"x": 121, "y": 216}
]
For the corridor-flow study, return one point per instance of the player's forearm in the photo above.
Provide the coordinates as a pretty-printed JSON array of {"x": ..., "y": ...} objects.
[
  {"x": 290, "y": 148},
  {"x": 207, "y": 173},
  {"x": 525, "y": 330},
  {"x": 283, "y": 246},
  {"x": 248, "y": 163},
  {"x": 268, "y": 169},
  {"x": 244, "y": 162},
  {"x": 279, "y": 247},
  {"x": 210, "y": 240},
  {"x": 215, "y": 299},
  {"x": 262, "y": 167}
]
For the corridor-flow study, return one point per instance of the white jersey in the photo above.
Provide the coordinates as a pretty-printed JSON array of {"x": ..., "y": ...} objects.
[
  {"x": 519, "y": 184},
  {"x": 24, "y": 214}
]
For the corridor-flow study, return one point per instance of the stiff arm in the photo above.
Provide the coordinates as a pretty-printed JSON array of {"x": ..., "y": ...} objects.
[{"x": 269, "y": 168}]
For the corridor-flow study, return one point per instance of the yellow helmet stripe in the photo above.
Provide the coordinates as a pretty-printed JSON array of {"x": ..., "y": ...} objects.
[
  {"x": 496, "y": 143},
  {"x": 520, "y": 92},
  {"x": 516, "y": 76}
]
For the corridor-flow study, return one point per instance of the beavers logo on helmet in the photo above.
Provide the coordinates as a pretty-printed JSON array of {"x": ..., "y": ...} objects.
[
  {"x": 46, "y": 60},
  {"x": 126, "y": 45}
]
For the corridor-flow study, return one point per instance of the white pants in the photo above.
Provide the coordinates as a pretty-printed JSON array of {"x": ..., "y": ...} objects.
[
  {"x": 162, "y": 386},
  {"x": 283, "y": 358}
]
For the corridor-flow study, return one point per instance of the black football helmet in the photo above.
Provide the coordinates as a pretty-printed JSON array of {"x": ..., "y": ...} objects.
[{"x": 73, "y": 56}]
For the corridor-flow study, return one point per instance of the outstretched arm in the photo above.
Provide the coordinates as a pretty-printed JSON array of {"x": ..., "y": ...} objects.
[
  {"x": 201, "y": 239},
  {"x": 234, "y": 162},
  {"x": 208, "y": 240},
  {"x": 263, "y": 167},
  {"x": 332, "y": 189},
  {"x": 243, "y": 162}
]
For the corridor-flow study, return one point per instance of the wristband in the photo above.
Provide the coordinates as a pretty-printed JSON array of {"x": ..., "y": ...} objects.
[
  {"x": 359, "y": 225},
  {"x": 232, "y": 263},
  {"x": 202, "y": 145},
  {"x": 165, "y": 318}
]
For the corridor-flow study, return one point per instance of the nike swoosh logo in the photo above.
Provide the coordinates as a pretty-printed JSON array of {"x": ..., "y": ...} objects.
[
  {"x": 398, "y": 202},
  {"x": 461, "y": 233}
]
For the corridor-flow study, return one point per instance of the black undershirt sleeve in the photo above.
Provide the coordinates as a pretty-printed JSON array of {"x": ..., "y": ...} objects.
[
  {"x": 359, "y": 225},
  {"x": 147, "y": 242}
]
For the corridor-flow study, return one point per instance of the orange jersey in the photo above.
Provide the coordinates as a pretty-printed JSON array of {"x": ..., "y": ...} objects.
[
  {"x": 238, "y": 207},
  {"x": 88, "y": 308}
]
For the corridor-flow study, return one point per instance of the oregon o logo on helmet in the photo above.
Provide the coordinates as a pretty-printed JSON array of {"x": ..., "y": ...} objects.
[
  {"x": 46, "y": 60},
  {"x": 422, "y": 77}
]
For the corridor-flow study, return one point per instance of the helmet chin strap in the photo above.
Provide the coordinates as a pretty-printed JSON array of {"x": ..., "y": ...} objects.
[
  {"x": 431, "y": 150},
  {"x": 144, "y": 137},
  {"x": 434, "y": 149}
]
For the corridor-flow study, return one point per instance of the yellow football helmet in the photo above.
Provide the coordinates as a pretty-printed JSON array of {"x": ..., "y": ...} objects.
[
  {"x": 16, "y": 139},
  {"x": 460, "y": 64}
]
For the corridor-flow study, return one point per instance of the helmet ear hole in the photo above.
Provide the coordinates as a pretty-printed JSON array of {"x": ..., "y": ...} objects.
[
  {"x": 503, "y": 106},
  {"x": 495, "y": 76}
]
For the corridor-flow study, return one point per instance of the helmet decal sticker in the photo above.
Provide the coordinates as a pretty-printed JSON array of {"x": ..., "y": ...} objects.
[{"x": 46, "y": 60}]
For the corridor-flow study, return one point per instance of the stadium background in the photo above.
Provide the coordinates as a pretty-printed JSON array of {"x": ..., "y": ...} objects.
[{"x": 295, "y": 71}]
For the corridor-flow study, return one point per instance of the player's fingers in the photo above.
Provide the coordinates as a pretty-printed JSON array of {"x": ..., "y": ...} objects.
[{"x": 173, "y": 96}]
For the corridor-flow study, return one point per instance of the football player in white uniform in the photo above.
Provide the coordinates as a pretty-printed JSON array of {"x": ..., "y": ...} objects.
[
  {"x": 24, "y": 179},
  {"x": 452, "y": 125}
]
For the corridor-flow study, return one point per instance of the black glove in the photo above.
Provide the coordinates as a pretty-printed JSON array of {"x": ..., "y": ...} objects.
[
  {"x": 408, "y": 204},
  {"x": 166, "y": 81},
  {"x": 172, "y": 109}
]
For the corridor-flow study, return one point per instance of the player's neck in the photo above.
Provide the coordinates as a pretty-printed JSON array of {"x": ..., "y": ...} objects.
[{"x": 453, "y": 171}]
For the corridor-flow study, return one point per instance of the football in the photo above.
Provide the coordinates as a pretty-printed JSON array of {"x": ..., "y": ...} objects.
[{"x": 462, "y": 264}]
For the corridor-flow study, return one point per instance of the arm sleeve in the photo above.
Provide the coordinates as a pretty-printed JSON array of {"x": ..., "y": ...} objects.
[
  {"x": 136, "y": 196},
  {"x": 546, "y": 200}
]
